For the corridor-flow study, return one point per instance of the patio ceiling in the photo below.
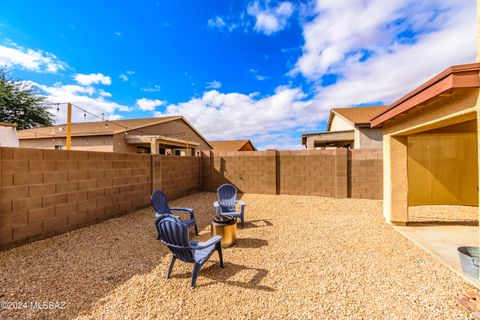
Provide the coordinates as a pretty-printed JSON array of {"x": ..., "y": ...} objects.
[
  {"x": 330, "y": 136},
  {"x": 142, "y": 139}
]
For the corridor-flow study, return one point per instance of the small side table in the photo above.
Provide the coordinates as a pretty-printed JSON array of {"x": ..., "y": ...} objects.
[{"x": 228, "y": 231}]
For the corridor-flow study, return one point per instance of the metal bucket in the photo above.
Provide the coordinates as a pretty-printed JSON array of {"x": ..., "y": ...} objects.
[{"x": 469, "y": 258}]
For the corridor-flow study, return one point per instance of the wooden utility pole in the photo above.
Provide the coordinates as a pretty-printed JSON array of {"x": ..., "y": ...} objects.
[{"x": 69, "y": 126}]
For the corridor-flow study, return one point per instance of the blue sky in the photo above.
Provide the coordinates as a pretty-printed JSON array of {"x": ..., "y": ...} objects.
[{"x": 264, "y": 70}]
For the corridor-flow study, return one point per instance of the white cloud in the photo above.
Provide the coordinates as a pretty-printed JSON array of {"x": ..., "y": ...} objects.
[
  {"x": 247, "y": 115},
  {"x": 84, "y": 97},
  {"x": 214, "y": 84},
  {"x": 125, "y": 76},
  {"x": 268, "y": 19},
  {"x": 257, "y": 75},
  {"x": 29, "y": 59},
  {"x": 154, "y": 88},
  {"x": 148, "y": 104},
  {"x": 92, "y": 78},
  {"x": 104, "y": 93},
  {"x": 118, "y": 33},
  {"x": 219, "y": 23},
  {"x": 216, "y": 22},
  {"x": 336, "y": 39},
  {"x": 345, "y": 30}
]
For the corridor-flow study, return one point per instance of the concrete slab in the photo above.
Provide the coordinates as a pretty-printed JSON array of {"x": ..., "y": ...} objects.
[{"x": 442, "y": 242}]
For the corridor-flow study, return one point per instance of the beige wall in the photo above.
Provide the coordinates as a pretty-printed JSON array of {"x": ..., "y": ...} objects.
[
  {"x": 94, "y": 143},
  {"x": 8, "y": 136},
  {"x": 340, "y": 124},
  {"x": 365, "y": 178},
  {"x": 249, "y": 171},
  {"x": 338, "y": 173},
  {"x": 368, "y": 138},
  {"x": 443, "y": 111},
  {"x": 49, "y": 192},
  {"x": 176, "y": 176},
  {"x": 166, "y": 129}
]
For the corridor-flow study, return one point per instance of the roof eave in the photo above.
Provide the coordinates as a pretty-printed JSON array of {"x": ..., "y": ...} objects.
[
  {"x": 46, "y": 136},
  {"x": 460, "y": 76}
]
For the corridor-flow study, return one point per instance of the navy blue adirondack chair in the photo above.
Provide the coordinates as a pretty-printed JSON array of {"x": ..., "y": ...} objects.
[
  {"x": 174, "y": 234},
  {"x": 160, "y": 204},
  {"x": 227, "y": 202}
]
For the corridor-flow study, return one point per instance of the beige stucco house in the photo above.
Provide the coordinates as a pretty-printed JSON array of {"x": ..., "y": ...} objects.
[
  {"x": 8, "y": 135},
  {"x": 165, "y": 135},
  {"x": 348, "y": 128}
]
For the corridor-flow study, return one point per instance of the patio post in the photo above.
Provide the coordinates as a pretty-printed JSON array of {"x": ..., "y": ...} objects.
[
  {"x": 153, "y": 146},
  {"x": 395, "y": 179}
]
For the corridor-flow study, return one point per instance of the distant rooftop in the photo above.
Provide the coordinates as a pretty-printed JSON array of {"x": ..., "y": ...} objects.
[
  {"x": 230, "y": 145},
  {"x": 94, "y": 128},
  {"x": 356, "y": 115}
]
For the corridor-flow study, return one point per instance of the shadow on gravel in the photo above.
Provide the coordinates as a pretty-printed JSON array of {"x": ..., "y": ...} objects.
[
  {"x": 250, "y": 243},
  {"x": 224, "y": 276},
  {"x": 261, "y": 223}
]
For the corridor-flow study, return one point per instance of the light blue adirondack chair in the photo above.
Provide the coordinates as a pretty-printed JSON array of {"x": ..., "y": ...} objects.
[
  {"x": 227, "y": 202},
  {"x": 160, "y": 204},
  {"x": 174, "y": 234}
]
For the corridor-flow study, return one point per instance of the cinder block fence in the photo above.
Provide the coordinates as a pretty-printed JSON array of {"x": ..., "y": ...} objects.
[
  {"x": 338, "y": 173},
  {"x": 49, "y": 192}
]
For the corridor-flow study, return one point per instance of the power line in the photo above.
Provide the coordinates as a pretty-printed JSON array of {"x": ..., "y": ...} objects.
[
  {"x": 178, "y": 135},
  {"x": 102, "y": 117}
]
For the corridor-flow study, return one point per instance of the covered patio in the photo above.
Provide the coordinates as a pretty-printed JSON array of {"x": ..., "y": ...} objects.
[
  {"x": 157, "y": 144},
  {"x": 431, "y": 163},
  {"x": 329, "y": 139}
]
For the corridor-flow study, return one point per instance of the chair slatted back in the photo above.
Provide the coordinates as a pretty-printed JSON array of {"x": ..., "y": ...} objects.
[
  {"x": 227, "y": 197},
  {"x": 159, "y": 202},
  {"x": 175, "y": 235}
]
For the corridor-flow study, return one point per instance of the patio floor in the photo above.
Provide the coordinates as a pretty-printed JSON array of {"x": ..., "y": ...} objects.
[
  {"x": 299, "y": 257},
  {"x": 443, "y": 241}
]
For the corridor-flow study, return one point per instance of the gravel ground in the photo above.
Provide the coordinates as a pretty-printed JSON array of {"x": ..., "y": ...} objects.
[{"x": 299, "y": 257}]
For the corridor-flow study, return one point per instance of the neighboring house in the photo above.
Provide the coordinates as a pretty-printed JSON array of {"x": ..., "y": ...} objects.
[
  {"x": 233, "y": 145},
  {"x": 348, "y": 128},
  {"x": 165, "y": 135},
  {"x": 8, "y": 135}
]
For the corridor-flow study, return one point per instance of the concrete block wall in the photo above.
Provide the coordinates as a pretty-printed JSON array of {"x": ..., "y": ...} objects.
[
  {"x": 307, "y": 172},
  {"x": 205, "y": 169},
  {"x": 365, "y": 179},
  {"x": 176, "y": 176},
  {"x": 49, "y": 192},
  {"x": 249, "y": 171},
  {"x": 338, "y": 173}
]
